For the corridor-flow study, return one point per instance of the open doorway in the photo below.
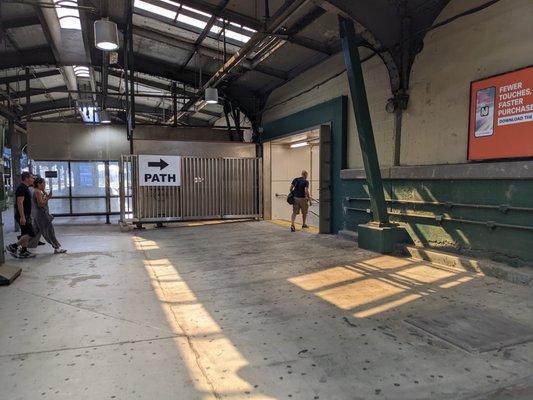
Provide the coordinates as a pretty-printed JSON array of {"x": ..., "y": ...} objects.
[{"x": 287, "y": 157}]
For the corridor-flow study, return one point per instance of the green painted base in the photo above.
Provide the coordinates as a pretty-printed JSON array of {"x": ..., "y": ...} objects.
[{"x": 381, "y": 239}]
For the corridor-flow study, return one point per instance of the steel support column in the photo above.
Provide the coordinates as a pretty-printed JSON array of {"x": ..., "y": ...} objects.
[
  {"x": 350, "y": 42},
  {"x": 28, "y": 97},
  {"x": 15, "y": 141}
]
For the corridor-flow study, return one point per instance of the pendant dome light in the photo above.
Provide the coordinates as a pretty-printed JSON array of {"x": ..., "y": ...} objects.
[
  {"x": 211, "y": 95},
  {"x": 106, "y": 35}
]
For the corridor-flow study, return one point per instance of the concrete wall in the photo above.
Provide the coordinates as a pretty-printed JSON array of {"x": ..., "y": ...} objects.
[
  {"x": 194, "y": 149},
  {"x": 317, "y": 90},
  {"x": 435, "y": 125},
  {"x": 57, "y": 141},
  {"x": 60, "y": 141},
  {"x": 496, "y": 40}
]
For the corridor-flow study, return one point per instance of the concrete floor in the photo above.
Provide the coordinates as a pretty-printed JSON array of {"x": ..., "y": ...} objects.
[{"x": 244, "y": 311}]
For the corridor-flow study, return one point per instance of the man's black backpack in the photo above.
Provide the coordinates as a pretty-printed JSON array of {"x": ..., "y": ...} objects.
[{"x": 290, "y": 198}]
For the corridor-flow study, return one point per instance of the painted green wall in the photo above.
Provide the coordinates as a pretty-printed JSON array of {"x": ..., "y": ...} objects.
[
  {"x": 333, "y": 112},
  {"x": 514, "y": 246}
]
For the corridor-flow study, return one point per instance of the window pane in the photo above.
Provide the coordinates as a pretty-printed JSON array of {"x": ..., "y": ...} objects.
[
  {"x": 84, "y": 206},
  {"x": 88, "y": 178},
  {"x": 59, "y": 206},
  {"x": 115, "y": 204},
  {"x": 113, "y": 178},
  {"x": 60, "y": 184}
]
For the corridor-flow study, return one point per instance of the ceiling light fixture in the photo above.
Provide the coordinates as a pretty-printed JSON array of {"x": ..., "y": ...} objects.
[
  {"x": 106, "y": 35},
  {"x": 211, "y": 95},
  {"x": 301, "y": 144}
]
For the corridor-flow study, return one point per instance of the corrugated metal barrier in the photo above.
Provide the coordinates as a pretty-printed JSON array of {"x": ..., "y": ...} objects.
[{"x": 211, "y": 188}]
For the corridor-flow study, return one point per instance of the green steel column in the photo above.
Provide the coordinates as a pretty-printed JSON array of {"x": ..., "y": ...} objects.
[{"x": 350, "y": 42}]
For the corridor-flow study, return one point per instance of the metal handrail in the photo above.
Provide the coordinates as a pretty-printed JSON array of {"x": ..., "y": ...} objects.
[
  {"x": 502, "y": 207},
  {"x": 440, "y": 218}
]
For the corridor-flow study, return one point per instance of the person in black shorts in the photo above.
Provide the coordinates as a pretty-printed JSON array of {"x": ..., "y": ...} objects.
[
  {"x": 23, "y": 217},
  {"x": 302, "y": 199}
]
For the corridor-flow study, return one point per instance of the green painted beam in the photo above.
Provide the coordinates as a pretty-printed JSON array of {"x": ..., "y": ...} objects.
[{"x": 350, "y": 42}]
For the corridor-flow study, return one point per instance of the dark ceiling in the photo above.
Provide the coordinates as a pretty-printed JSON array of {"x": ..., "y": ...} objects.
[{"x": 179, "y": 46}]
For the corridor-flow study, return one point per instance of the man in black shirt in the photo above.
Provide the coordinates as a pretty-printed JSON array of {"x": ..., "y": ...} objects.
[
  {"x": 23, "y": 217},
  {"x": 300, "y": 187}
]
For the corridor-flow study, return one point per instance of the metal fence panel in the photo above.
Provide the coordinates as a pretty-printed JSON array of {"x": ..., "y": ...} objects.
[{"x": 211, "y": 188}]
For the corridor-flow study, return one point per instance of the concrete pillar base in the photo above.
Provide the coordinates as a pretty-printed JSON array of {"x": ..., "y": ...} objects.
[{"x": 381, "y": 239}]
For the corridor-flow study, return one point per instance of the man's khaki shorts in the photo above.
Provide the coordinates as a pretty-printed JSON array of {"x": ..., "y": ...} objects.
[{"x": 300, "y": 203}]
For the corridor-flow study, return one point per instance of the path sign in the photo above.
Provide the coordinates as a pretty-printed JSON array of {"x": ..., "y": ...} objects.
[{"x": 159, "y": 170}]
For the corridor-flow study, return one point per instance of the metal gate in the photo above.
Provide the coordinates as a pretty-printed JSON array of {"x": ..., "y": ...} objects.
[{"x": 211, "y": 188}]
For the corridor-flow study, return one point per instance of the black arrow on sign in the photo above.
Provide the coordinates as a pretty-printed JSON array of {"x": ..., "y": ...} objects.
[{"x": 162, "y": 164}]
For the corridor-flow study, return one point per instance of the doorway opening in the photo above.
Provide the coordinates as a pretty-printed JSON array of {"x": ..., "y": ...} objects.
[{"x": 287, "y": 157}]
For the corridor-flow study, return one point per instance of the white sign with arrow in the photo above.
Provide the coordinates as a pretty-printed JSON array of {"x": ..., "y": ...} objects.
[{"x": 159, "y": 170}]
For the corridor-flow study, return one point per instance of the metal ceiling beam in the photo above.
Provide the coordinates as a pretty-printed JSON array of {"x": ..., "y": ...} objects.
[
  {"x": 214, "y": 15},
  {"x": 233, "y": 16},
  {"x": 39, "y": 91},
  {"x": 273, "y": 24},
  {"x": 207, "y": 51},
  {"x": 379, "y": 27},
  {"x": 142, "y": 81},
  {"x": 154, "y": 84},
  {"x": 158, "y": 67},
  {"x": 310, "y": 44},
  {"x": 300, "y": 25},
  {"x": 196, "y": 31},
  {"x": 41, "y": 55},
  {"x": 20, "y": 78},
  {"x": 19, "y": 22},
  {"x": 48, "y": 106},
  {"x": 51, "y": 39}
]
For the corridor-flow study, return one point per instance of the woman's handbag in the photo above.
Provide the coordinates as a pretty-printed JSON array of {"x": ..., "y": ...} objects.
[{"x": 290, "y": 198}]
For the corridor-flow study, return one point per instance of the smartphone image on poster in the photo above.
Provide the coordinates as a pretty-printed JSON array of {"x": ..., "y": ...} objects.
[{"x": 485, "y": 112}]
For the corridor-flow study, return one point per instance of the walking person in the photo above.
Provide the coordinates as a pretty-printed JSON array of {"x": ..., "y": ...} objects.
[
  {"x": 43, "y": 218},
  {"x": 35, "y": 240},
  {"x": 23, "y": 217},
  {"x": 302, "y": 199}
]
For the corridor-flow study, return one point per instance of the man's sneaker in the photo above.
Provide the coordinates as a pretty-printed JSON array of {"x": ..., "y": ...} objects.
[
  {"x": 12, "y": 249},
  {"x": 305, "y": 226},
  {"x": 59, "y": 251},
  {"x": 293, "y": 229},
  {"x": 25, "y": 254}
]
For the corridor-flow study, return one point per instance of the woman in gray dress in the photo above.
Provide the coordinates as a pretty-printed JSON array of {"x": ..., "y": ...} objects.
[{"x": 42, "y": 217}]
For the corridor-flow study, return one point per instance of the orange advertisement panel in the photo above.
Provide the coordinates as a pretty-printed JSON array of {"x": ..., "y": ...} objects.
[{"x": 501, "y": 116}]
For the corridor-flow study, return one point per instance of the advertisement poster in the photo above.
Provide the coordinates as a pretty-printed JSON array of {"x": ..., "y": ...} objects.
[{"x": 501, "y": 116}]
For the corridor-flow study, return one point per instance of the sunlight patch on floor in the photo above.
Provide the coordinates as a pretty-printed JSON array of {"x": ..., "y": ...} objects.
[
  {"x": 144, "y": 244},
  {"x": 378, "y": 284},
  {"x": 212, "y": 359}
]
